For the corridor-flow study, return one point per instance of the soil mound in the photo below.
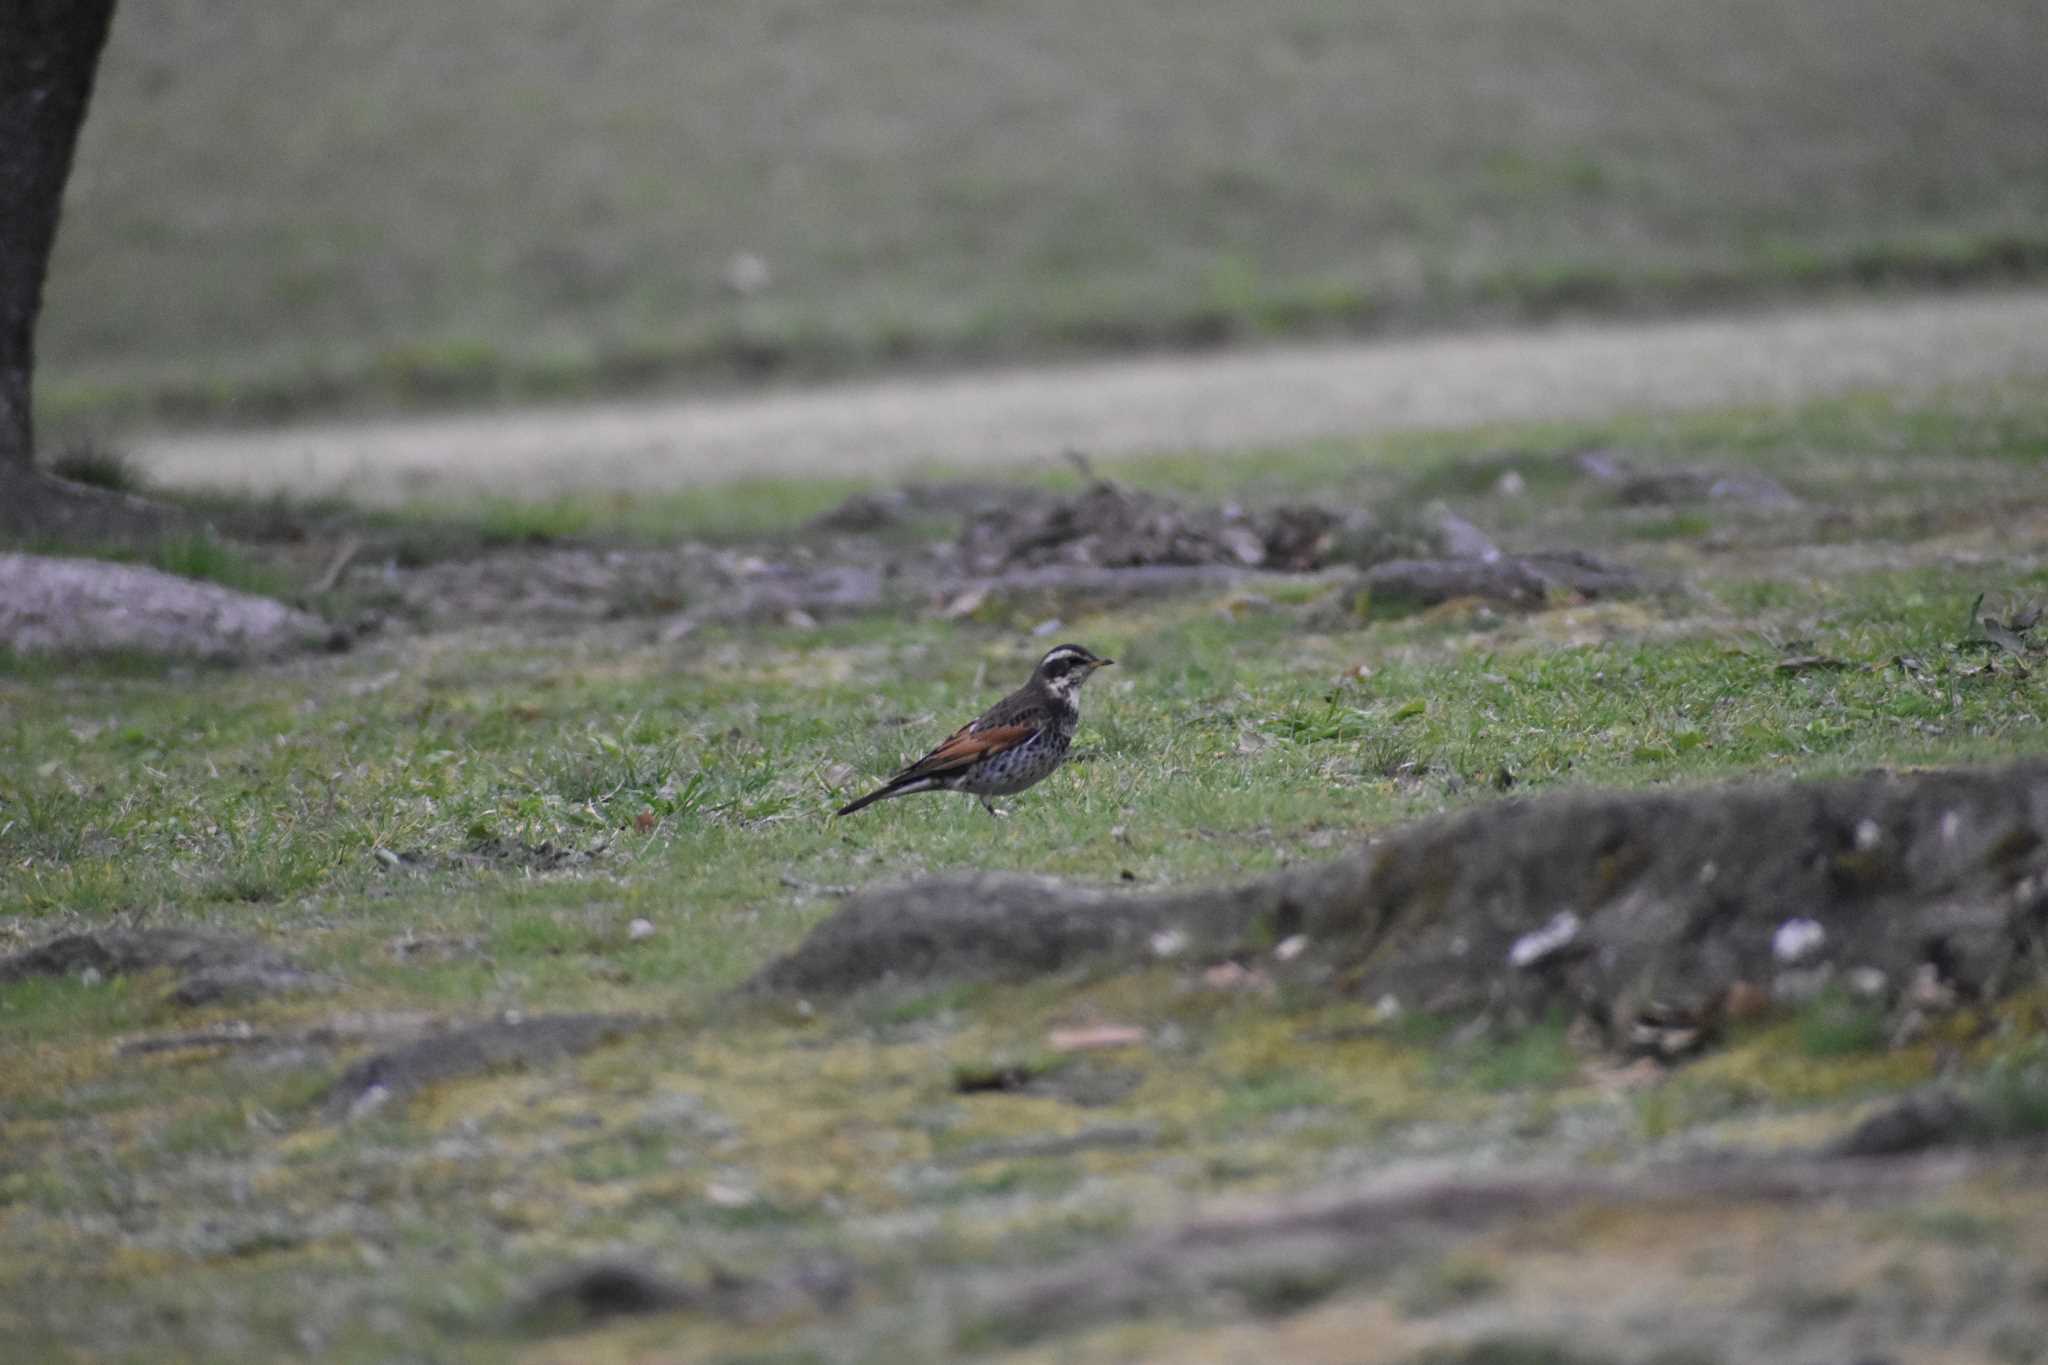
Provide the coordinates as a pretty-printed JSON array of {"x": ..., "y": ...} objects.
[
  {"x": 1655, "y": 913},
  {"x": 215, "y": 968}
]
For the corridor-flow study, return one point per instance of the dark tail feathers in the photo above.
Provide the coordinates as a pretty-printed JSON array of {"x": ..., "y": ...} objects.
[
  {"x": 883, "y": 794},
  {"x": 868, "y": 800}
]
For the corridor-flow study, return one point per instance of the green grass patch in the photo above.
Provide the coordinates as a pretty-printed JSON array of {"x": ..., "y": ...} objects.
[
  {"x": 1838, "y": 1025},
  {"x": 198, "y": 555},
  {"x": 462, "y": 824},
  {"x": 1538, "y": 1057},
  {"x": 98, "y": 465}
]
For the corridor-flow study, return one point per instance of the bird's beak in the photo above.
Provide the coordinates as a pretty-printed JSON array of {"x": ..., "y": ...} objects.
[{"x": 1102, "y": 663}]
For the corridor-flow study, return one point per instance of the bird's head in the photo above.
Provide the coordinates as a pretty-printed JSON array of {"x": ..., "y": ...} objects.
[{"x": 1066, "y": 667}]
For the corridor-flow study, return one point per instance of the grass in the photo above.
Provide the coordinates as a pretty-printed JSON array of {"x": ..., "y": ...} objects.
[
  {"x": 466, "y": 822},
  {"x": 199, "y": 554},
  {"x": 1979, "y": 436},
  {"x": 491, "y": 202},
  {"x": 1838, "y": 1025},
  {"x": 98, "y": 465}
]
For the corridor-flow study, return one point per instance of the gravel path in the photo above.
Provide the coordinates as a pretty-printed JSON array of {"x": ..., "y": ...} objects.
[{"x": 1222, "y": 402}]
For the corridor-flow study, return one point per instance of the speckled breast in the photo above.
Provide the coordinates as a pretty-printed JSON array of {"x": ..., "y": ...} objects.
[{"x": 1018, "y": 768}]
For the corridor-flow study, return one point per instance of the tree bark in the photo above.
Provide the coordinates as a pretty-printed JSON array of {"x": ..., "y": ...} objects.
[{"x": 49, "y": 51}]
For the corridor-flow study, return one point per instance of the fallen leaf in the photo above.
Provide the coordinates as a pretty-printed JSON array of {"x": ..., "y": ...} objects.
[
  {"x": 1229, "y": 976},
  {"x": 1637, "y": 1075},
  {"x": 1094, "y": 1038},
  {"x": 966, "y": 604}
]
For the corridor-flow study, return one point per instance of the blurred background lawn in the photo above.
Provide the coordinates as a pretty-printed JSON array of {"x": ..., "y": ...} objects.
[{"x": 296, "y": 205}]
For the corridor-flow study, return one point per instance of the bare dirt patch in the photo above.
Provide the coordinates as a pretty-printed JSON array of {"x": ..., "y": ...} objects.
[
  {"x": 213, "y": 968},
  {"x": 1231, "y": 404},
  {"x": 1104, "y": 544},
  {"x": 1658, "y": 914}
]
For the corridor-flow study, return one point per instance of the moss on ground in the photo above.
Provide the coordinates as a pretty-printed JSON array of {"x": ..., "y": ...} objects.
[{"x": 458, "y": 824}]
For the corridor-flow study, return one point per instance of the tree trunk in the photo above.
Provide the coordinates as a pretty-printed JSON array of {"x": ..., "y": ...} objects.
[{"x": 49, "y": 50}]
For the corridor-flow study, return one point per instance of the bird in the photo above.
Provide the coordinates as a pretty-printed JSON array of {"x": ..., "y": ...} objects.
[{"x": 1012, "y": 745}]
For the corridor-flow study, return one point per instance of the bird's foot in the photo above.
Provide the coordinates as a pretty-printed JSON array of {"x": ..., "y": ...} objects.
[{"x": 993, "y": 812}]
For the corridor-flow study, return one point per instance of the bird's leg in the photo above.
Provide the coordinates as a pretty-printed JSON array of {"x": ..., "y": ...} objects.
[{"x": 993, "y": 813}]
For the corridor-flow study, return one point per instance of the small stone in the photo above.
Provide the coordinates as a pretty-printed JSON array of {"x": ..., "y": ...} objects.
[
  {"x": 1511, "y": 484},
  {"x": 1169, "y": 943},
  {"x": 796, "y": 618},
  {"x": 1386, "y": 1009},
  {"x": 639, "y": 929},
  {"x": 89, "y": 977},
  {"x": 1051, "y": 625},
  {"x": 1868, "y": 835},
  {"x": 1868, "y": 983},
  {"x": 1248, "y": 549},
  {"x": 1291, "y": 947},
  {"x": 1797, "y": 940},
  {"x": 1532, "y": 949}
]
